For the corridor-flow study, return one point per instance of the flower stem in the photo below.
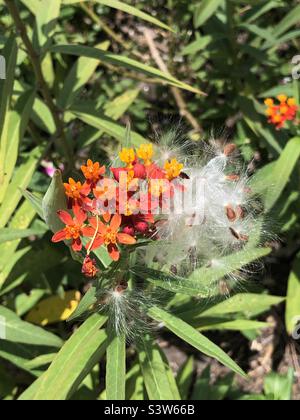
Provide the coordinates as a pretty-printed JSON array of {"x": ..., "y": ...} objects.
[{"x": 94, "y": 237}]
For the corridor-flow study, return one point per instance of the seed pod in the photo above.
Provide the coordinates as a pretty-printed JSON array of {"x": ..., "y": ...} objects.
[
  {"x": 232, "y": 177},
  {"x": 229, "y": 149},
  {"x": 231, "y": 214}
]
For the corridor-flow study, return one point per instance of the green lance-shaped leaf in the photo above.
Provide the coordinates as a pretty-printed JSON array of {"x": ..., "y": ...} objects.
[
  {"x": 78, "y": 76},
  {"x": 204, "y": 10},
  {"x": 72, "y": 364},
  {"x": 154, "y": 371},
  {"x": 6, "y": 87},
  {"x": 54, "y": 200},
  {"x": 116, "y": 368},
  {"x": 112, "y": 109},
  {"x": 185, "y": 377},
  {"x": 35, "y": 201},
  {"x": 248, "y": 304},
  {"x": 194, "y": 338},
  {"x": 124, "y": 7},
  {"x": 292, "y": 314},
  {"x": 7, "y": 234},
  {"x": 46, "y": 18},
  {"x": 123, "y": 61},
  {"x": 280, "y": 176},
  {"x": 16, "y": 127},
  {"x": 21, "y": 178},
  {"x": 18, "y": 331},
  {"x": 279, "y": 387},
  {"x": 291, "y": 19},
  {"x": 106, "y": 124},
  {"x": 88, "y": 300}
]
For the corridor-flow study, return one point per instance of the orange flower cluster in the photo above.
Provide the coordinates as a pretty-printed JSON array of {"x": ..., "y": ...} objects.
[
  {"x": 108, "y": 213},
  {"x": 285, "y": 110}
]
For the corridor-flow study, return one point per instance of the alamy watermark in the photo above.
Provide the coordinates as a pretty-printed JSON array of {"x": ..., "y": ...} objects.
[
  {"x": 2, "y": 328},
  {"x": 296, "y": 331},
  {"x": 2, "y": 68}
]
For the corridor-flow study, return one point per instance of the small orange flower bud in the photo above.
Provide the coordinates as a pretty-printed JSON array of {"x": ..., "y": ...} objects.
[
  {"x": 269, "y": 102},
  {"x": 282, "y": 98}
]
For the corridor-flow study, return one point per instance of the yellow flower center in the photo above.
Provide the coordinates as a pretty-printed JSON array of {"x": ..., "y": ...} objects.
[
  {"x": 127, "y": 156},
  {"x": 173, "y": 169},
  {"x": 282, "y": 98},
  {"x": 110, "y": 237},
  {"x": 146, "y": 152}
]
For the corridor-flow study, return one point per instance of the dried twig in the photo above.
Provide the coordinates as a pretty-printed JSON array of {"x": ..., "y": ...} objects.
[{"x": 183, "y": 109}]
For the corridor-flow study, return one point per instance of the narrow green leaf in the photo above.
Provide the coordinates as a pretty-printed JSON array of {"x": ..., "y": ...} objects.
[
  {"x": 46, "y": 17},
  {"x": 109, "y": 126},
  {"x": 88, "y": 300},
  {"x": 291, "y": 19},
  {"x": 194, "y": 338},
  {"x": 22, "y": 219},
  {"x": 204, "y": 10},
  {"x": 250, "y": 304},
  {"x": 6, "y": 87},
  {"x": 185, "y": 377},
  {"x": 292, "y": 314},
  {"x": 20, "y": 180},
  {"x": 227, "y": 265},
  {"x": 116, "y": 368},
  {"x": 7, "y": 234},
  {"x": 78, "y": 76},
  {"x": 154, "y": 371},
  {"x": 72, "y": 364},
  {"x": 135, "y": 383},
  {"x": 16, "y": 127},
  {"x": 18, "y": 331},
  {"x": 124, "y": 7},
  {"x": 123, "y": 61},
  {"x": 35, "y": 201},
  {"x": 113, "y": 109},
  {"x": 40, "y": 361},
  {"x": 282, "y": 171},
  {"x": 279, "y": 387}
]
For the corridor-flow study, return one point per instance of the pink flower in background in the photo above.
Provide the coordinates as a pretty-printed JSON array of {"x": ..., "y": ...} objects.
[{"x": 49, "y": 168}]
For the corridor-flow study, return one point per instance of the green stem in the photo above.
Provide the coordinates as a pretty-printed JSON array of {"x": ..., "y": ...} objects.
[{"x": 116, "y": 37}]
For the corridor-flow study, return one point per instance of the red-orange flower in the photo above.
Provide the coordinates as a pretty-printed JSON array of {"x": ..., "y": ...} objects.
[
  {"x": 278, "y": 114},
  {"x": 109, "y": 236},
  {"x": 74, "y": 230},
  {"x": 76, "y": 192},
  {"x": 93, "y": 172},
  {"x": 89, "y": 268}
]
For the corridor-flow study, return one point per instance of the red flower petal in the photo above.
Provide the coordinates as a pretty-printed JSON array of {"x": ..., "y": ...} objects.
[
  {"x": 96, "y": 244},
  {"x": 88, "y": 231},
  {"x": 116, "y": 222},
  {"x": 101, "y": 227},
  {"x": 79, "y": 214},
  {"x": 65, "y": 217},
  {"x": 59, "y": 236},
  {"x": 125, "y": 239},
  {"x": 77, "y": 245},
  {"x": 113, "y": 252}
]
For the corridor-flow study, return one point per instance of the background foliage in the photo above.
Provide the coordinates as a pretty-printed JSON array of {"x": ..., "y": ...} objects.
[{"x": 76, "y": 72}]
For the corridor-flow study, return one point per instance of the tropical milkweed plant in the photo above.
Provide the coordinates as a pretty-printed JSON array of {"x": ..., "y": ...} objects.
[{"x": 110, "y": 241}]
